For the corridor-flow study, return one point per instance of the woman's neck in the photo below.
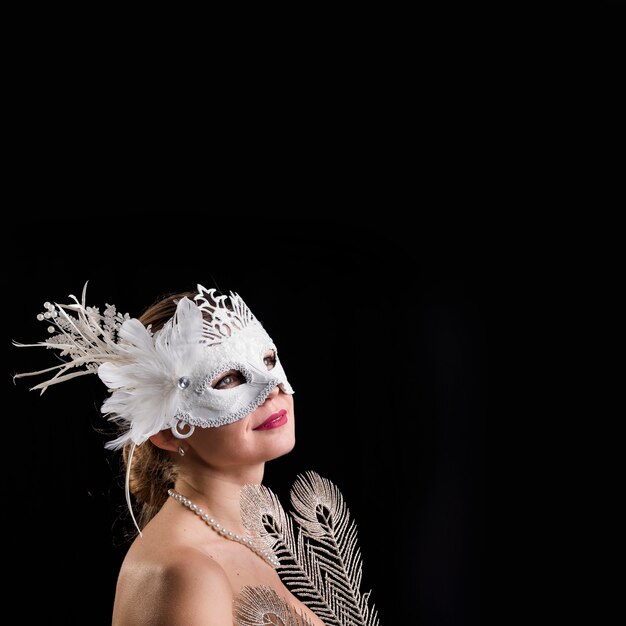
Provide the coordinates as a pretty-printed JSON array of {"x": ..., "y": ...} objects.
[{"x": 218, "y": 491}]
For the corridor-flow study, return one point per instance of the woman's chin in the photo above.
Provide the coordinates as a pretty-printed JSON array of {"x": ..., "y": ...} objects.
[{"x": 280, "y": 448}]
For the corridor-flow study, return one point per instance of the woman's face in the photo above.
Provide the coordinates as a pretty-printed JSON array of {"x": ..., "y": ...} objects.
[{"x": 266, "y": 433}]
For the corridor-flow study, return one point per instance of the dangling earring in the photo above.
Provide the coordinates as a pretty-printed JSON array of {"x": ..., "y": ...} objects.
[{"x": 181, "y": 451}]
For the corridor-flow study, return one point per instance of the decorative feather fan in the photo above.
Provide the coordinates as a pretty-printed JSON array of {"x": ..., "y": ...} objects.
[{"x": 322, "y": 564}]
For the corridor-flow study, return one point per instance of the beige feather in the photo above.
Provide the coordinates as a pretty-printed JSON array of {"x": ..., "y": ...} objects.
[
  {"x": 321, "y": 564},
  {"x": 262, "y": 606}
]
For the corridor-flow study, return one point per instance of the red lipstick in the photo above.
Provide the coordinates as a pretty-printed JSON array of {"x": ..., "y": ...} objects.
[{"x": 273, "y": 421}]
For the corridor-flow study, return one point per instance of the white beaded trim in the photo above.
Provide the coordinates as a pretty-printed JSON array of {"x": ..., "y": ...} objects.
[{"x": 267, "y": 555}]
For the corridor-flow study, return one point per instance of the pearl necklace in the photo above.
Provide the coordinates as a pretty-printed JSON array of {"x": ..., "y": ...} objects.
[{"x": 266, "y": 555}]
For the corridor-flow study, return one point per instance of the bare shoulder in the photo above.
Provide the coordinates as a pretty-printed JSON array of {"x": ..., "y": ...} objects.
[
  {"x": 174, "y": 586},
  {"x": 191, "y": 570}
]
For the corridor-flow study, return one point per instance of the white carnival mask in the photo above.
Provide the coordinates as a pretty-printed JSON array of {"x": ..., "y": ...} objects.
[{"x": 159, "y": 380}]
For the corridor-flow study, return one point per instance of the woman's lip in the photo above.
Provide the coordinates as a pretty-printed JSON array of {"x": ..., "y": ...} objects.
[{"x": 273, "y": 421}]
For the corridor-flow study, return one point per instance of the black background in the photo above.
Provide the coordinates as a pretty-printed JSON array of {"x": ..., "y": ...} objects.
[{"x": 384, "y": 329}]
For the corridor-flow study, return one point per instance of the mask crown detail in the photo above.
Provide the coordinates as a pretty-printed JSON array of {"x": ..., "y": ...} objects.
[{"x": 223, "y": 321}]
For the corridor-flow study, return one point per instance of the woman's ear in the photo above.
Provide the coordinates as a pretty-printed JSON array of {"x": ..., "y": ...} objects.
[{"x": 165, "y": 440}]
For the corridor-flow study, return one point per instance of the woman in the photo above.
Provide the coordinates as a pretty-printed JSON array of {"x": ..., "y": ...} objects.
[{"x": 202, "y": 402}]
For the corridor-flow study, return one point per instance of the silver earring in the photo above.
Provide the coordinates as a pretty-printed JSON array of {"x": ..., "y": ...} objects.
[{"x": 181, "y": 451}]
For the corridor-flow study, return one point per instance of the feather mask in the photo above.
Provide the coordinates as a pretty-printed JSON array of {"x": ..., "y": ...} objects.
[{"x": 162, "y": 379}]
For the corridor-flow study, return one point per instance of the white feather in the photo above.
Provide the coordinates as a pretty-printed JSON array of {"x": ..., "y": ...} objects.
[{"x": 144, "y": 383}]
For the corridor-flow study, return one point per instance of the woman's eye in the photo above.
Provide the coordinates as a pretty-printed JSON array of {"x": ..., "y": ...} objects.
[
  {"x": 269, "y": 361},
  {"x": 232, "y": 379}
]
